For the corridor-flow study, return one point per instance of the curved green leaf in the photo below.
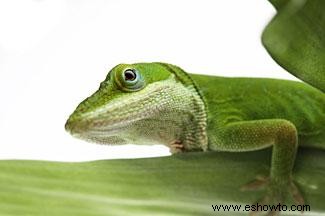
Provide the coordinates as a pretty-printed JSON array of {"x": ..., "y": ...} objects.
[
  {"x": 180, "y": 185},
  {"x": 278, "y": 4},
  {"x": 295, "y": 39}
]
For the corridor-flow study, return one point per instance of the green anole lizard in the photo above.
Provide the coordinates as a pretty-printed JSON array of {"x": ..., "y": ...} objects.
[{"x": 148, "y": 103}]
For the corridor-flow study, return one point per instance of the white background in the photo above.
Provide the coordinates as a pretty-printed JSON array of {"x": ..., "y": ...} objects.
[{"x": 54, "y": 53}]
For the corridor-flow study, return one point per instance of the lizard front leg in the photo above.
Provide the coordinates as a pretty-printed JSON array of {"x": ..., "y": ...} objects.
[{"x": 259, "y": 134}]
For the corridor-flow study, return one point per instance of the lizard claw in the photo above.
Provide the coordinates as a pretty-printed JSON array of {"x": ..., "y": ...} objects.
[
  {"x": 296, "y": 194},
  {"x": 176, "y": 146}
]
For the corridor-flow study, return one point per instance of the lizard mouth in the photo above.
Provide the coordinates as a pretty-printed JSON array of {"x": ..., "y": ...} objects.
[
  {"x": 96, "y": 129},
  {"x": 100, "y": 132}
]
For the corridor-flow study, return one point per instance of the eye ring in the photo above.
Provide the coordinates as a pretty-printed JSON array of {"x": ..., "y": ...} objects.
[{"x": 129, "y": 80}]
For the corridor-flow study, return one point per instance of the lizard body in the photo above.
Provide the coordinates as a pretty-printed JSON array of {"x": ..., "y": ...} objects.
[
  {"x": 149, "y": 103},
  {"x": 233, "y": 100}
]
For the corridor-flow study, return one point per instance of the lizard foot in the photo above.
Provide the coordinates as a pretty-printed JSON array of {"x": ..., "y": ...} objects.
[
  {"x": 276, "y": 194},
  {"x": 176, "y": 146}
]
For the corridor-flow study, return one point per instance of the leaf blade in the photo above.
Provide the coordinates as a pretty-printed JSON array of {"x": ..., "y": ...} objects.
[
  {"x": 295, "y": 39},
  {"x": 179, "y": 185}
]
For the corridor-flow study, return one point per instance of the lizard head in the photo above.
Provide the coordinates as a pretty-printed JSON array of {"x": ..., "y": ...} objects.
[{"x": 141, "y": 103}]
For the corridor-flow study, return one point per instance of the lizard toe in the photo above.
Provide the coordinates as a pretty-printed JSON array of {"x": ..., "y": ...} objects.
[
  {"x": 296, "y": 194},
  {"x": 257, "y": 184}
]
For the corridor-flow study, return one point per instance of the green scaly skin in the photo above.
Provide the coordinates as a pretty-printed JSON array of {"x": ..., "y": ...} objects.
[{"x": 160, "y": 103}]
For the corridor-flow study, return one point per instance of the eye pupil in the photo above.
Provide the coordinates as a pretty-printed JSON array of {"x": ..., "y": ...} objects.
[{"x": 129, "y": 75}]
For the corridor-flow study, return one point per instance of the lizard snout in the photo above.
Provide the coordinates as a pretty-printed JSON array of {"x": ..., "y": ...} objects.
[
  {"x": 75, "y": 126},
  {"x": 69, "y": 126}
]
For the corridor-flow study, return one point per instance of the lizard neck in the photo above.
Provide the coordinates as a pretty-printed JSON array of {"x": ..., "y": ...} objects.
[
  {"x": 192, "y": 105},
  {"x": 195, "y": 134}
]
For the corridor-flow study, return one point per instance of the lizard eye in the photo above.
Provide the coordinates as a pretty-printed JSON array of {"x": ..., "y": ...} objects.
[
  {"x": 130, "y": 80},
  {"x": 130, "y": 75}
]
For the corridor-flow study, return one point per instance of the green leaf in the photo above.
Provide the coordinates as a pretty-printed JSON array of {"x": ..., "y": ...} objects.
[
  {"x": 279, "y": 3},
  {"x": 179, "y": 185},
  {"x": 295, "y": 39}
]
